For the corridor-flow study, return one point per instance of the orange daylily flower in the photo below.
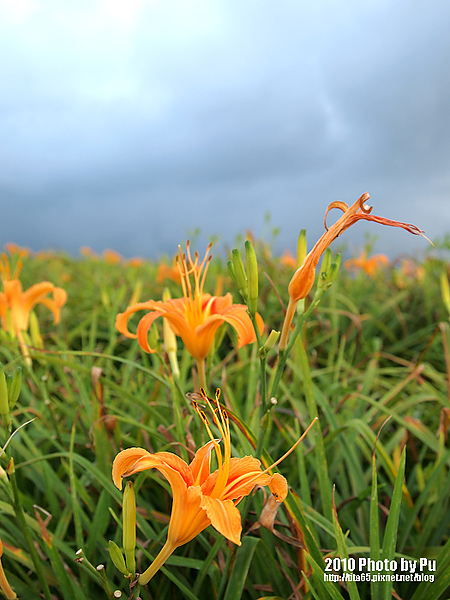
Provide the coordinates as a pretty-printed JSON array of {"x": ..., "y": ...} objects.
[
  {"x": 112, "y": 257},
  {"x": 135, "y": 261},
  {"x": 288, "y": 260},
  {"x": 369, "y": 264},
  {"x": 168, "y": 272},
  {"x": 202, "y": 498},
  {"x": 88, "y": 252},
  {"x": 13, "y": 248},
  {"x": 16, "y": 305},
  {"x": 303, "y": 278},
  {"x": 196, "y": 317}
]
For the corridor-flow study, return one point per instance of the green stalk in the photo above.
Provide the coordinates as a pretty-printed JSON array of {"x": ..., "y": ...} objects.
[
  {"x": 26, "y": 533},
  {"x": 75, "y": 504},
  {"x": 283, "y": 354},
  {"x": 319, "y": 450}
]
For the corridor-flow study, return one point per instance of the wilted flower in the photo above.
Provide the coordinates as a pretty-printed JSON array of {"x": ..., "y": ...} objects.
[
  {"x": 195, "y": 317},
  {"x": 202, "y": 498},
  {"x": 303, "y": 278}
]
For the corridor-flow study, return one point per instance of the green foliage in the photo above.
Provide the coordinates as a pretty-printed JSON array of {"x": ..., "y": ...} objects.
[{"x": 375, "y": 347}]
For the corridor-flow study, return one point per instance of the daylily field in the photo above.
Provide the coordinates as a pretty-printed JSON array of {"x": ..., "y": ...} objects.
[{"x": 244, "y": 427}]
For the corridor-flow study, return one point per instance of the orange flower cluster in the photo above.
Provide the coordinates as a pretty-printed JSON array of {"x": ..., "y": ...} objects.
[{"x": 370, "y": 265}]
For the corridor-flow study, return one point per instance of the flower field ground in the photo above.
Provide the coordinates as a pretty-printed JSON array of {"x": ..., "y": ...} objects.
[{"x": 366, "y": 510}]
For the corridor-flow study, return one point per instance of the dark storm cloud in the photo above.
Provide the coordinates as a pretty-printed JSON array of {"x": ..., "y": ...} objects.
[{"x": 281, "y": 109}]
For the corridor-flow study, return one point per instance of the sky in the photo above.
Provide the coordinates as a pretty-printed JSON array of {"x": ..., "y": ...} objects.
[{"x": 132, "y": 125}]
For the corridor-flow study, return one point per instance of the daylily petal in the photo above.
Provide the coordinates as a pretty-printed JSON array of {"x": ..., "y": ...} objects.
[
  {"x": 224, "y": 517},
  {"x": 142, "y": 331},
  {"x": 3, "y": 305},
  {"x": 134, "y": 460},
  {"x": 241, "y": 478},
  {"x": 122, "y": 318},
  {"x": 215, "y": 304},
  {"x": 200, "y": 465},
  {"x": 238, "y": 318},
  {"x": 59, "y": 299},
  {"x": 124, "y": 462},
  {"x": 36, "y": 293},
  {"x": 188, "y": 518}
]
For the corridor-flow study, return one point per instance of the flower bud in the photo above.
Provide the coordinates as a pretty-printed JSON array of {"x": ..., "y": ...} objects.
[
  {"x": 14, "y": 387},
  {"x": 269, "y": 343},
  {"x": 4, "y": 402},
  {"x": 129, "y": 526},
  {"x": 271, "y": 340},
  {"x": 252, "y": 277},
  {"x": 239, "y": 274},
  {"x": 35, "y": 334},
  {"x": 326, "y": 262},
  {"x": 445, "y": 291},
  {"x": 301, "y": 248},
  {"x": 117, "y": 557},
  {"x": 334, "y": 268},
  {"x": 136, "y": 293},
  {"x": 329, "y": 269},
  {"x": 230, "y": 267}
]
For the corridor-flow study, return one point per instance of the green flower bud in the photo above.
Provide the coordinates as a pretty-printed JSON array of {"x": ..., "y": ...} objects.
[
  {"x": 129, "y": 526},
  {"x": 271, "y": 340},
  {"x": 269, "y": 343},
  {"x": 239, "y": 273},
  {"x": 252, "y": 277},
  {"x": 334, "y": 268},
  {"x": 117, "y": 557},
  {"x": 301, "y": 248},
  {"x": 326, "y": 262},
  {"x": 35, "y": 334},
  {"x": 4, "y": 403},
  {"x": 445, "y": 291},
  {"x": 231, "y": 271},
  {"x": 15, "y": 384}
]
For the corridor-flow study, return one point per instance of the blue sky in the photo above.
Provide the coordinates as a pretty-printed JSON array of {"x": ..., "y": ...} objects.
[{"x": 128, "y": 125}]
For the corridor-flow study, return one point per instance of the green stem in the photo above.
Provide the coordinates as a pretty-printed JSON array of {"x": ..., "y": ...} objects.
[
  {"x": 26, "y": 533},
  {"x": 262, "y": 365},
  {"x": 98, "y": 573},
  {"x": 178, "y": 399},
  {"x": 283, "y": 354}
]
